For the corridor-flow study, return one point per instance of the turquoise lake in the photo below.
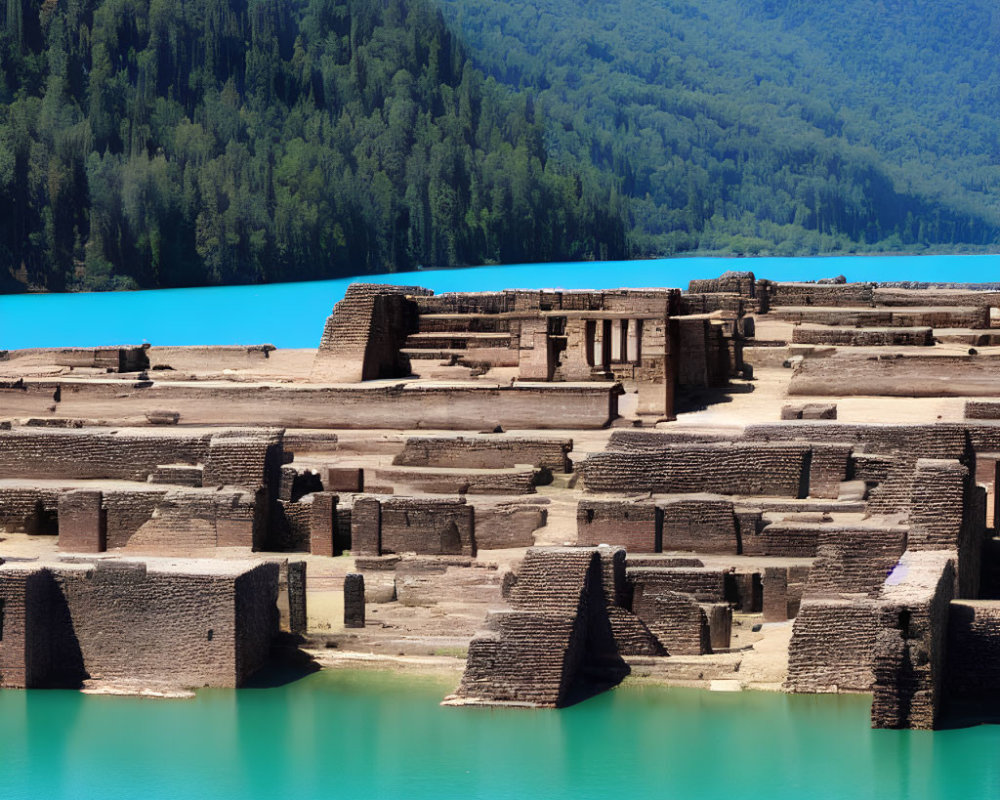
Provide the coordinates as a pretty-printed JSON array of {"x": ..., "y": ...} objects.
[
  {"x": 292, "y": 314},
  {"x": 379, "y": 735}
]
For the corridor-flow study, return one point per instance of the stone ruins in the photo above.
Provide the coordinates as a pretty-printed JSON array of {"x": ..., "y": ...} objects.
[{"x": 747, "y": 484}]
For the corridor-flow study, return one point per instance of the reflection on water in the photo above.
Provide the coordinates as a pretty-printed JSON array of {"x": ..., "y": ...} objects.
[{"x": 379, "y": 735}]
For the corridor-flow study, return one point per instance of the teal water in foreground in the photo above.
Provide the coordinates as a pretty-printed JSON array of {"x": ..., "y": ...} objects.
[
  {"x": 379, "y": 735},
  {"x": 292, "y": 314}
]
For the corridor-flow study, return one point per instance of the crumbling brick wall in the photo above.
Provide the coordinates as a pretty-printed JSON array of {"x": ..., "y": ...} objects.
[
  {"x": 816, "y": 294},
  {"x": 911, "y": 645},
  {"x": 854, "y": 560},
  {"x": 505, "y": 524},
  {"x": 485, "y": 452},
  {"x": 426, "y": 526},
  {"x": 557, "y": 625},
  {"x": 943, "y": 516},
  {"x": 832, "y": 645},
  {"x": 732, "y": 469},
  {"x": 29, "y": 510},
  {"x": 90, "y": 453},
  {"x": 123, "y": 622},
  {"x": 363, "y": 336},
  {"x": 703, "y": 523},
  {"x": 863, "y": 337},
  {"x": 973, "y": 661},
  {"x": 629, "y": 523}
]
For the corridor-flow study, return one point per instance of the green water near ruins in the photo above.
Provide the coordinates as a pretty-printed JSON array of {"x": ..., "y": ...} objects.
[{"x": 381, "y": 735}]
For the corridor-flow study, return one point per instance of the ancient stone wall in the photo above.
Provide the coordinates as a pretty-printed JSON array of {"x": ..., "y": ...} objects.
[
  {"x": 942, "y": 440},
  {"x": 427, "y": 527},
  {"x": 395, "y": 406},
  {"x": 863, "y": 337},
  {"x": 362, "y": 338},
  {"x": 677, "y": 620},
  {"x": 629, "y": 523},
  {"x": 433, "y": 480},
  {"x": 705, "y": 585},
  {"x": 731, "y": 469},
  {"x": 931, "y": 317},
  {"x": 91, "y": 453},
  {"x": 930, "y": 297},
  {"x": 910, "y": 648},
  {"x": 248, "y": 458},
  {"x": 557, "y": 632},
  {"x": 256, "y": 614},
  {"x": 852, "y": 374},
  {"x": 82, "y": 522},
  {"x": 833, "y": 645},
  {"x": 485, "y": 452},
  {"x": 707, "y": 303},
  {"x": 816, "y": 294},
  {"x": 829, "y": 466},
  {"x": 743, "y": 284},
  {"x": 323, "y": 524},
  {"x": 853, "y": 560},
  {"x": 121, "y": 622},
  {"x": 973, "y": 647},
  {"x": 943, "y": 516},
  {"x": 172, "y": 521},
  {"x": 703, "y": 523},
  {"x": 29, "y": 510},
  {"x": 366, "y": 526},
  {"x": 505, "y": 524},
  {"x": 25, "y": 658}
]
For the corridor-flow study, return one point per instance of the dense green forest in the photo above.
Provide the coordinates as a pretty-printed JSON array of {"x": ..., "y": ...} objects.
[
  {"x": 766, "y": 126},
  {"x": 183, "y": 142}
]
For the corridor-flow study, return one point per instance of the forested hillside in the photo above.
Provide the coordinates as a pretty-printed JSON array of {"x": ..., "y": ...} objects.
[
  {"x": 781, "y": 126},
  {"x": 183, "y": 142}
]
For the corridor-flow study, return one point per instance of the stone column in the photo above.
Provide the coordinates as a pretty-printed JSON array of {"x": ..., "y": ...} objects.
[
  {"x": 297, "y": 619},
  {"x": 632, "y": 338},
  {"x": 775, "y": 580},
  {"x": 354, "y": 600},
  {"x": 322, "y": 523},
  {"x": 616, "y": 340}
]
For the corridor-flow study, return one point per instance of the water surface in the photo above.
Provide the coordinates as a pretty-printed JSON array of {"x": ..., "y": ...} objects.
[
  {"x": 379, "y": 735},
  {"x": 292, "y": 314}
]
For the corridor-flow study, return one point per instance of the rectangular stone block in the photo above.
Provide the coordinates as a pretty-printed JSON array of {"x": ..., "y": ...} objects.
[
  {"x": 354, "y": 600},
  {"x": 82, "y": 522},
  {"x": 775, "y": 585},
  {"x": 323, "y": 524},
  {"x": 366, "y": 527},
  {"x": 344, "y": 479}
]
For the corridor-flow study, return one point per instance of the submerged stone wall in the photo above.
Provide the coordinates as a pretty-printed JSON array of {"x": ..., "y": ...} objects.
[
  {"x": 201, "y": 624},
  {"x": 910, "y": 648},
  {"x": 973, "y": 648},
  {"x": 832, "y": 646},
  {"x": 556, "y": 633}
]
